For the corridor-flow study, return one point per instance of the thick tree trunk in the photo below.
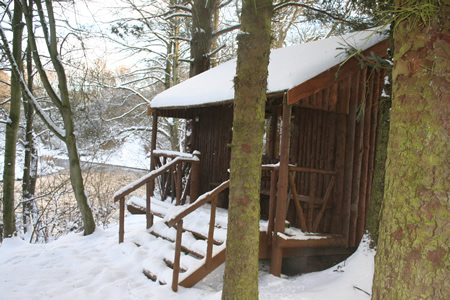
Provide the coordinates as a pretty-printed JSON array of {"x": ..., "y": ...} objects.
[
  {"x": 412, "y": 259},
  {"x": 241, "y": 267},
  {"x": 377, "y": 194},
  {"x": 12, "y": 127}
]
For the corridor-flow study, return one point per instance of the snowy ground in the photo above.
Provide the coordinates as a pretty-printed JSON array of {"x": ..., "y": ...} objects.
[{"x": 97, "y": 267}]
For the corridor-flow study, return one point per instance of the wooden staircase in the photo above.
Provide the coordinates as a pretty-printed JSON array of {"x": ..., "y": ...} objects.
[
  {"x": 193, "y": 264},
  {"x": 186, "y": 242}
]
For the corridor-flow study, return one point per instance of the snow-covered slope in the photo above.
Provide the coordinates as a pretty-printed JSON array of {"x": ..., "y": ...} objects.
[{"x": 97, "y": 267}]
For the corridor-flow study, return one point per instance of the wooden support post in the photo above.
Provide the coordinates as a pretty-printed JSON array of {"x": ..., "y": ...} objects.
[
  {"x": 272, "y": 204},
  {"x": 148, "y": 208},
  {"x": 151, "y": 187},
  {"x": 282, "y": 189},
  {"x": 178, "y": 184},
  {"x": 195, "y": 178},
  {"x": 176, "y": 261},
  {"x": 212, "y": 223},
  {"x": 121, "y": 219}
]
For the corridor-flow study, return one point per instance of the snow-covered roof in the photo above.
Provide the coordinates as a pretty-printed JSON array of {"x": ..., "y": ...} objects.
[{"x": 288, "y": 67}]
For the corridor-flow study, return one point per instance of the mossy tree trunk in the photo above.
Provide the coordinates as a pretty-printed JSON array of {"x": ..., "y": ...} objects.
[
  {"x": 377, "y": 194},
  {"x": 250, "y": 84},
  {"x": 12, "y": 127},
  {"x": 412, "y": 260}
]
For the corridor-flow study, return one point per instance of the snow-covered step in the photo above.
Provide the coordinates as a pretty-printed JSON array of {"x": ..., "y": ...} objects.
[
  {"x": 189, "y": 243},
  {"x": 137, "y": 205}
]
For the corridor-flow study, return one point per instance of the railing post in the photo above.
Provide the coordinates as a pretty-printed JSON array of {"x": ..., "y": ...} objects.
[
  {"x": 153, "y": 147},
  {"x": 176, "y": 261},
  {"x": 148, "y": 212},
  {"x": 178, "y": 184},
  {"x": 195, "y": 178},
  {"x": 121, "y": 219},
  {"x": 272, "y": 203},
  {"x": 212, "y": 224},
  {"x": 282, "y": 190}
]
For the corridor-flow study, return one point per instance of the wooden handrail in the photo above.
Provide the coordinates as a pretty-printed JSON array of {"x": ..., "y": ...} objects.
[
  {"x": 145, "y": 180},
  {"x": 178, "y": 220},
  {"x": 310, "y": 170},
  {"x": 203, "y": 199},
  {"x": 150, "y": 176}
]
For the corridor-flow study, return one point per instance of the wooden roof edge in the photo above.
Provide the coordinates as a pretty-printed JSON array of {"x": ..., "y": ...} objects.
[
  {"x": 225, "y": 102},
  {"x": 327, "y": 78}
]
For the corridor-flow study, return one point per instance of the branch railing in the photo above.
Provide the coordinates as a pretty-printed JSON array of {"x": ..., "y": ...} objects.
[
  {"x": 148, "y": 180},
  {"x": 177, "y": 221}
]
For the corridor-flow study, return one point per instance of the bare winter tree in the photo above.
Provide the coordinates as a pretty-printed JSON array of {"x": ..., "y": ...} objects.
[{"x": 60, "y": 99}]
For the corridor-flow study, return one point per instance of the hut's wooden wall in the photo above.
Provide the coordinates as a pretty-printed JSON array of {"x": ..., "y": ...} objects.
[
  {"x": 211, "y": 136},
  {"x": 326, "y": 137},
  {"x": 333, "y": 129}
]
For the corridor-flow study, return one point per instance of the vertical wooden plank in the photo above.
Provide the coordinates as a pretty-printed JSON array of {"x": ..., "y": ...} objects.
[
  {"x": 282, "y": 190},
  {"x": 333, "y": 97},
  {"x": 330, "y": 165},
  {"x": 308, "y": 143},
  {"x": 319, "y": 149},
  {"x": 349, "y": 154},
  {"x": 360, "y": 93},
  {"x": 341, "y": 141},
  {"x": 312, "y": 198},
  {"x": 301, "y": 151}
]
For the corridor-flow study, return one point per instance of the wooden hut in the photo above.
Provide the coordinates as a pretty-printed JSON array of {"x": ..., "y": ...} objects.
[{"x": 321, "y": 120}]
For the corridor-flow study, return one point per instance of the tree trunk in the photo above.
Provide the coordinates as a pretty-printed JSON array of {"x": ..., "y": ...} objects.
[
  {"x": 241, "y": 267},
  {"x": 12, "y": 127},
  {"x": 31, "y": 160},
  {"x": 412, "y": 259},
  {"x": 202, "y": 26},
  {"x": 62, "y": 102},
  {"x": 376, "y": 196},
  {"x": 76, "y": 179}
]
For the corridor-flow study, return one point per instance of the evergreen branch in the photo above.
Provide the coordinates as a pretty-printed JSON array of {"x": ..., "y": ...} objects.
[{"x": 309, "y": 7}]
